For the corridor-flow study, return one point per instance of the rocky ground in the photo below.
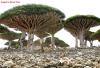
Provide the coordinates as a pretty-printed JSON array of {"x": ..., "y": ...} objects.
[{"x": 59, "y": 58}]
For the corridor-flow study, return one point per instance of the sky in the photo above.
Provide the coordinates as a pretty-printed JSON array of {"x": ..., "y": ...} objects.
[{"x": 68, "y": 7}]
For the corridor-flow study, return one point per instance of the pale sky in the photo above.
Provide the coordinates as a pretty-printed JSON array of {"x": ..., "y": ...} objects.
[{"x": 69, "y": 7}]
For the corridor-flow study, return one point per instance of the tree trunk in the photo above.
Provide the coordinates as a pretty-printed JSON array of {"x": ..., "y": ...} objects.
[
  {"x": 22, "y": 39},
  {"x": 10, "y": 43},
  {"x": 81, "y": 37},
  {"x": 91, "y": 43},
  {"x": 53, "y": 41},
  {"x": 76, "y": 40},
  {"x": 85, "y": 43},
  {"x": 30, "y": 40},
  {"x": 41, "y": 44}
]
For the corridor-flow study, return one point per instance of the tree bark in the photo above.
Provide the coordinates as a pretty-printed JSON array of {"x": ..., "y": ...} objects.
[
  {"x": 81, "y": 37},
  {"x": 76, "y": 40},
  {"x": 91, "y": 43},
  {"x": 53, "y": 42},
  {"x": 41, "y": 44},
  {"x": 30, "y": 40},
  {"x": 10, "y": 43},
  {"x": 22, "y": 38},
  {"x": 85, "y": 43}
]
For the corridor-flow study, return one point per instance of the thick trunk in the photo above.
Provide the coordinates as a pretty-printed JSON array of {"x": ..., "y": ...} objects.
[
  {"x": 10, "y": 43},
  {"x": 41, "y": 44},
  {"x": 85, "y": 43},
  {"x": 22, "y": 38},
  {"x": 30, "y": 40},
  {"x": 81, "y": 37},
  {"x": 76, "y": 40},
  {"x": 52, "y": 40},
  {"x": 91, "y": 43}
]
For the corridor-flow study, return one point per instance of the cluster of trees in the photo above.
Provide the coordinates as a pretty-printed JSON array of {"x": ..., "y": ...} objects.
[
  {"x": 79, "y": 27},
  {"x": 42, "y": 20}
]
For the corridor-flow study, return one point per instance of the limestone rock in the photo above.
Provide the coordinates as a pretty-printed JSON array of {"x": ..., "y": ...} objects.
[
  {"x": 9, "y": 63},
  {"x": 98, "y": 66}
]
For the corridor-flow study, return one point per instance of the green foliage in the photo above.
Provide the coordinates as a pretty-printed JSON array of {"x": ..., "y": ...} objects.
[
  {"x": 3, "y": 29},
  {"x": 10, "y": 35},
  {"x": 54, "y": 28},
  {"x": 96, "y": 35},
  {"x": 84, "y": 19},
  {"x": 88, "y": 35},
  {"x": 30, "y": 9},
  {"x": 97, "y": 32},
  {"x": 14, "y": 44},
  {"x": 58, "y": 42},
  {"x": 78, "y": 23}
]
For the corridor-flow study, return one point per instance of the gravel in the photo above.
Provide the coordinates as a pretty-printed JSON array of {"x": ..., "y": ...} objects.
[{"x": 59, "y": 58}]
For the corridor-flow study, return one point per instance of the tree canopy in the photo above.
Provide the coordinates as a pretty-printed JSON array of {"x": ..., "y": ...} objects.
[
  {"x": 3, "y": 29},
  {"x": 58, "y": 42},
  {"x": 10, "y": 35},
  {"x": 30, "y": 9},
  {"x": 96, "y": 35},
  {"x": 78, "y": 25}
]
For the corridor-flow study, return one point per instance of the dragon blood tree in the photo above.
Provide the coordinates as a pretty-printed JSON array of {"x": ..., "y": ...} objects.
[
  {"x": 30, "y": 18},
  {"x": 80, "y": 24},
  {"x": 41, "y": 34},
  {"x": 96, "y": 35}
]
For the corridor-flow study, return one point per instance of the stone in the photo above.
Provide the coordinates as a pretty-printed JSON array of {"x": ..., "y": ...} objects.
[
  {"x": 79, "y": 53},
  {"x": 1, "y": 60},
  {"x": 98, "y": 66},
  {"x": 9, "y": 63},
  {"x": 79, "y": 58},
  {"x": 64, "y": 59},
  {"x": 87, "y": 67},
  {"x": 78, "y": 66}
]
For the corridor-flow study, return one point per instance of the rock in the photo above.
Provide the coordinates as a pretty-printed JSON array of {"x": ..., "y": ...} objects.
[
  {"x": 1, "y": 60},
  {"x": 79, "y": 53},
  {"x": 78, "y": 66},
  {"x": 79, "y": 58},
  {"x": 89, "y": 63},
  {"x": 98, "y": 66},
  {"x": 17, "y": 66},
  {"x": 65, "y": 60},
  {"x": 87, "y": 67},
  {"x": 8, "y": 64}
]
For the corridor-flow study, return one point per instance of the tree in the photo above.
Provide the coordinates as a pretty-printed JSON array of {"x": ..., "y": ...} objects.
[
  {"x": 54, "y": 29},
  {"x": 3, "y": 29},
  {"x": 30, "y": 18},
  {"x": 10, "y": 36},
  {"x": 6, "y": 34},
  {"x": 80, "y": 25},
  {"x": 96, "y": 35},
  {"x": 41, "y": 34},
  {"x": 69, "y": 28},
  {"x": 88, "y": 37},
  {"x": 58, "y": 42}
]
